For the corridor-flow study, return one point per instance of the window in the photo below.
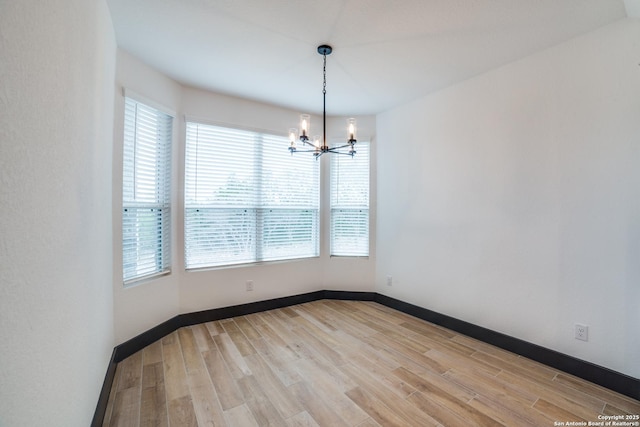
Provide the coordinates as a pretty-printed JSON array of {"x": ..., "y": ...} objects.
[
  {"x": 246, "y": 199},
  {"x": 350, "y": 203},
  {"x": 146, "y": 191}
]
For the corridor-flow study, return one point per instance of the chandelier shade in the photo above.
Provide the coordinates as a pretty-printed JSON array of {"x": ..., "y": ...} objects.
[{"x": 318, "y": 144}]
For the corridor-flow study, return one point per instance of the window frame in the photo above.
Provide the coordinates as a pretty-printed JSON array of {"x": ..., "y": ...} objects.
[
  {"x": 153, "y": 154},
  {"x": 351, "y": 206},
  {"x": 256, "y": 152}
]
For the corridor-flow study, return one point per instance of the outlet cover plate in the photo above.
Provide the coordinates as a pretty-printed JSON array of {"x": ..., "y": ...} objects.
[{"x": 582, "y": 332}]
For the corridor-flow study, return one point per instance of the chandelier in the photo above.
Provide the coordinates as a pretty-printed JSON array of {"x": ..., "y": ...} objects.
[{"x": 316, "y": 146}]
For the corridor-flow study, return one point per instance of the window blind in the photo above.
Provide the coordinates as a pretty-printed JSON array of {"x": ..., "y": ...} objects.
[
  {"x": 146, "y": 191},
  {"x": 350, "y": 203},
  {"x": 247, "y": 200}
]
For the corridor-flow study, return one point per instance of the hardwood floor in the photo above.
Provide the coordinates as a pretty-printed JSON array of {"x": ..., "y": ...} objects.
[{"x": 344, "y": 363}]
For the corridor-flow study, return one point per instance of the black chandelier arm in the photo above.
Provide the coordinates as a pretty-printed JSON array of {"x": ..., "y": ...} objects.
[
  {"x": 348, "y": 153},
  {"x": 341, "y": 146},
  {"x": 295, "y": 150}
]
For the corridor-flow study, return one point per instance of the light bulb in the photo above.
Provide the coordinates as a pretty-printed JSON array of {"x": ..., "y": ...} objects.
[
  {"x": 293, "y": 135},
  {"x": 352, "y": 128},
  {"x": 305, "y": 123}
]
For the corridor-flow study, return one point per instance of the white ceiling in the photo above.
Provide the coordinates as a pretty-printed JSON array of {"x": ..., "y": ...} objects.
[{"x": 386, "y": 52}]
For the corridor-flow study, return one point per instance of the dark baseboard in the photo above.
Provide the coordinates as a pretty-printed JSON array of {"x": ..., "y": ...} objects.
[
  {"x": 146, "y": 338},
  {"x": 605, "y": 377},
  {"x": 103, "y": 400},
  {"x": 244, "y": 309},
  {"x": 350, "y": 296}
]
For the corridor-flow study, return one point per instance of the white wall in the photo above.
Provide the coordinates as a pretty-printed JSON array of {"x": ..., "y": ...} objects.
[
  {"x": 56, "y": 120},
  {"x": 142, "y": 306},
  {"x": 512, "y": 200},
  {"x": 148, "y": 303}
]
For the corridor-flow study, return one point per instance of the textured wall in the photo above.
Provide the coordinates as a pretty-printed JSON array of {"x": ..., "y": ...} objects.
[
  {"x": 514, "y": 200},
  {"x": 57, "y": 66}
]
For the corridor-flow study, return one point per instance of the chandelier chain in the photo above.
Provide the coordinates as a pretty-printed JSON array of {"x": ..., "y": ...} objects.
[{"x": 324, "y": 75}]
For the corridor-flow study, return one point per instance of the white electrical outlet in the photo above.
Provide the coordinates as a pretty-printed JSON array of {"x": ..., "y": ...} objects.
[
  {"x": 582, "y": 332},
  {"x": 389, "y": 281},
  {"x": 249, "y": 285}
]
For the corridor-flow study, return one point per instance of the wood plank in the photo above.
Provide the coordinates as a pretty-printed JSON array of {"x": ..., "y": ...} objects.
[
  {"x": 378, "y": 410},
  {"x": 313, "y": 403},
  {"x": 204, "y": 398},
  {"x": 369, "y": 422},
  {"x": 397, "y": 316},
  {"x": 190, "y": 351},
  {"x": 279, "y": 361},
  {"x": 331, "y": 372},
  {"x": 405, "y": 337},
  {"x": 231, "y": 355},
  {"x": 153, "y": 409},
  {"x": 351, "y": 346},
  {"x": 384, "y": 375},
  {"x": 454, "y": 413},
  {"x": 345, "y": 323},
  {"x": 539, "y": 374},
  {"x": 303, "y": 419},
  {"x": 453, "y": 360},
  {"x": 258, "y": 403},
  {"x": 427, "y": 329},
  {"x": 612, "y": 410},
  {"x": 454, "y": 389},
  {"x": 517, "y": 403},
  {"x": 204, "y": 341},
  {"x": 374, "y": 311},
  {"x": 226, "y": 388},
  {"x": 240, "y": 416},
  {"x": 289, "y": 311},
  {"x": 175, "y": 375},
  {"x": 315, "y": 314},
  {"x": 491, "y": 386},
  {"x": 505, "y": 416},
  {"x": 126, "y": 408},
  {"x": 277, "y": 344},
  {"x": 317, "y": 346},
  {"x": 181, "y": 412},
  {"x": 444, "y": 345},
  {"x": 239, "y": 339},
  {"x": 582, "y": 405},
  {"x": 280, "y": 334},
  {"x": 405, "y": 410},
  {"x": 152, "y": 353},
  {"x": 618, "y": 400},
  {"x": 247, "y": 328},
  {"x": 214, "y": 328},
  {"x": 277, "y": 393},
  {"x": 431, "y": 397},
  {"x": 478, "y": 345},
  {"x": 330, "y": 392},
  {"x": 401, "y": 352},
  {"x": 554, "y": 412},
  {"x": 130, "y": 372},
  {"x": 317, "y": 331}
]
